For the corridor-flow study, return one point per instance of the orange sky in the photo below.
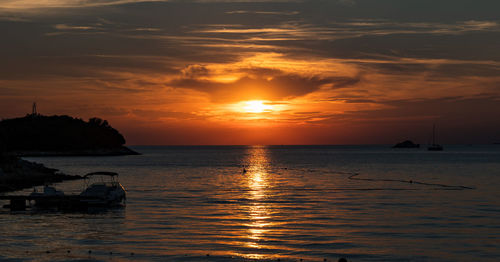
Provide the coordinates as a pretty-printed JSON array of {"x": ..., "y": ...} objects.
[{"x": 268, "y": 72}]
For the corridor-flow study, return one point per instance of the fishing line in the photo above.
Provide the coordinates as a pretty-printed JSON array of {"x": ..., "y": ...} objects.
[{"x": 353, "y": 176}]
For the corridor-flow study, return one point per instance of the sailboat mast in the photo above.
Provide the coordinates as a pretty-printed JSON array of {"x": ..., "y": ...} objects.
[{"x": 434, "y": 134}]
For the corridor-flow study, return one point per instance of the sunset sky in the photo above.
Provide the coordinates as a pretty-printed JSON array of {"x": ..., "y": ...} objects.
[{"x": 258, "y": 72}]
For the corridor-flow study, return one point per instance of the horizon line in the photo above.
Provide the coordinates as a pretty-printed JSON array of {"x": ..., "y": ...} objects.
[{"x": 452, "y": 144}]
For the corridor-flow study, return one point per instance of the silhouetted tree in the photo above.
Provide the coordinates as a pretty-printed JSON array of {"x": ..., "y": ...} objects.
[{"x": 95, "y": 121}]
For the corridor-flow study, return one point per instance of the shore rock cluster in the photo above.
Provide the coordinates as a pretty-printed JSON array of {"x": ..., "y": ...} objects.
[{"x": 16, "y": 174}]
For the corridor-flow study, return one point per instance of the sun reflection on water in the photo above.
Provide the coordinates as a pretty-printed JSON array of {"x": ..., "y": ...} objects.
[{"x": 258, "y": 210}]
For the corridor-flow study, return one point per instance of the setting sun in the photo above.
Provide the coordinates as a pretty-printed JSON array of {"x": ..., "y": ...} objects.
[{"x": 256, "y": 106}]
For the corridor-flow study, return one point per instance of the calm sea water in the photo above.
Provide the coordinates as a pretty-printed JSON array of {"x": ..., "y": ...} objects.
[{"x": 294, "y": 202}]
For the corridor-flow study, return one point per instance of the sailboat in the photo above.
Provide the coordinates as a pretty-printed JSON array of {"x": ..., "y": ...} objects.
[{"x": 434, "y": 146}]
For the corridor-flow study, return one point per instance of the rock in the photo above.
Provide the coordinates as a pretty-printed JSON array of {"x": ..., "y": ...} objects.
[
  {"x": 19, "y": 174},
  {"x": 406, "y": 144}
]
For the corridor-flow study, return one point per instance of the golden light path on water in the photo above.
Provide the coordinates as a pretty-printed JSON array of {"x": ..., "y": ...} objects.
[{"x": 259, "y": 213}]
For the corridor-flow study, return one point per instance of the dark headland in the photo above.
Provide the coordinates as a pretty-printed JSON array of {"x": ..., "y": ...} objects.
[{"x": 38, "y": 135}]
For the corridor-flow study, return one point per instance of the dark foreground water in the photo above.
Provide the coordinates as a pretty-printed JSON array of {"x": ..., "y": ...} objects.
[{"x": 185, "y": 203}]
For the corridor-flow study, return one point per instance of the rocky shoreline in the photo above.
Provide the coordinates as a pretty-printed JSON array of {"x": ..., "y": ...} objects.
[{"x": 17, "y": 174}]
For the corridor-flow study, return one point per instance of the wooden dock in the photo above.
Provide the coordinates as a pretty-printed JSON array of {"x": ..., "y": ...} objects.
[{"x": 64, "y": 203}]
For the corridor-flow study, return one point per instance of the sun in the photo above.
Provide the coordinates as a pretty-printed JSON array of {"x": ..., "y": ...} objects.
[{"x": 256, "y": 106}]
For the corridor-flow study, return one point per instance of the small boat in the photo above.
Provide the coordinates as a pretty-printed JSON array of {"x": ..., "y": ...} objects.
[
  {"x": 103, "y": 193},
  {"x": 47, "y": 191},
  {"x": 106, "y": 192},
  {"x": 48, "y": 198},
  {"x": 434, "y": 146}
]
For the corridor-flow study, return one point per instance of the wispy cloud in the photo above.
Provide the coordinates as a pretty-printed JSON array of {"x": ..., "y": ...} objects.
[
  {"x": 146, "y": 29},
  {"x": 31, "y": 4},
  {"x": 13, "y": 18},
  {"x": 286, "y": 13},
  {"x": 346, "y": 30},
  {"x": 73, "y": 27}
]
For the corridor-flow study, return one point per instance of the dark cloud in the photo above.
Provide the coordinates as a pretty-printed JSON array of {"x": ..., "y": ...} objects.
[
  {"x": 195, "y": 71},
  {"x": 359, "y": 101},
  {"x": 249, "y": 88},
  {"x": 183, "y": 32},
  {"x": 259, "y": 83},
  {"x": 97, "y": 67},
  {"x": 159, "y": 114}
]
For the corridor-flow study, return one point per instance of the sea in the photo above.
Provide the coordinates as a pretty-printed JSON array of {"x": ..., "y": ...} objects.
[{"x": 274, "y": 203}]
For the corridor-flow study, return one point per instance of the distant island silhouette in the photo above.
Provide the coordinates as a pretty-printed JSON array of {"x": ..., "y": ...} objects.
[
  {"x": 406, "y": 144},
  {"x": 39, "y": 135}
]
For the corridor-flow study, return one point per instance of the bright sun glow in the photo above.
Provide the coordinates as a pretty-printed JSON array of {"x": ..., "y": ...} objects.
[{"x": 256, "y": 106}]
